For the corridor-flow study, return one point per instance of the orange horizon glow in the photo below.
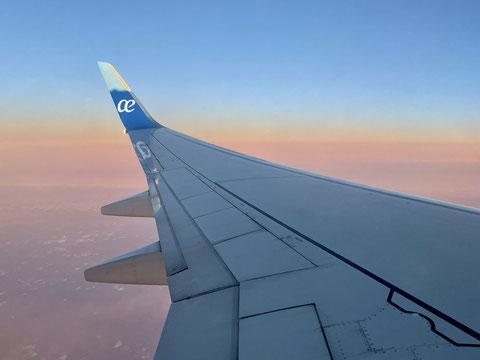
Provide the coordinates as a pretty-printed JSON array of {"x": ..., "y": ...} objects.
[
  {"x": 97, "y": 134},
  {"x": 447, "y": 171}
]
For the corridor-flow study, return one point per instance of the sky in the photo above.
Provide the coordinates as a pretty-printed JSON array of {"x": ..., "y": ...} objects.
[
  {"x": 376, "y": 70},
  {"x": 381, "y": 93}
]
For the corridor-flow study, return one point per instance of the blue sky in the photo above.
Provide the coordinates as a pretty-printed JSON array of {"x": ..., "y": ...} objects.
[{"x": 392, "y": 66}]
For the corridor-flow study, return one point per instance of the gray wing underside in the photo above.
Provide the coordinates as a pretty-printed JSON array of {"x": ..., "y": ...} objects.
[{"x": 269, "y": 262}]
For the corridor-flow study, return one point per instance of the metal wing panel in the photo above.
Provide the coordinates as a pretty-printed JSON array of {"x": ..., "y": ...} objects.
[
  {"x": 402, "y": 241},
  {"x": 205, "y": 204},
  {"x": 173, "y": 256},
  {"x": 293, "y": 333},
  {"x": 341, "y": 295},
  {"x": 259, "y": 254},
  {"x": 215, "y": 165},
  {"x": 217, "y": 241},
  {"x": 405, "y": 242},
  {"x": 203, "y": 327},
  {"x": 226, "y": 224},
  {"x": 205, "y": 270},
  {"x": 184, "y": 184}
]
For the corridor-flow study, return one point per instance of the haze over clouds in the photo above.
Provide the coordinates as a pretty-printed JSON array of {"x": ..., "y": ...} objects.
[{"x": 51, "y": 230}]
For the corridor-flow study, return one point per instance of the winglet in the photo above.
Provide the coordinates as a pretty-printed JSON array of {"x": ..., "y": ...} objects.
[{"x": 132, "y": 113}]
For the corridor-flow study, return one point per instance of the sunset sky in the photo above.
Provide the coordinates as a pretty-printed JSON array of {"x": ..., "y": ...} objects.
[
  {"x": 376, "y": 70},
  {"x": 382, "y": 93}
]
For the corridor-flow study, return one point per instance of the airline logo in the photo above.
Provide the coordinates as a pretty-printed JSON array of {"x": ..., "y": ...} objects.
[{"x": 125, "y": 106}]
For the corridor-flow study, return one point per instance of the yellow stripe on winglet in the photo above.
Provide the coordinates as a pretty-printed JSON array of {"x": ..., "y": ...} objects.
[{"x": 123, "y": 82}]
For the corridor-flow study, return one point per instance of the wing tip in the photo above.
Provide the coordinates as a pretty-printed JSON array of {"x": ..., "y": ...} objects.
[
  {"x": 103, "y": 64},
  {"x": 125, "y": 101}
]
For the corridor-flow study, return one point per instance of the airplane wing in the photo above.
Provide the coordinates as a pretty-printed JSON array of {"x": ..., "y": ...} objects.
[{"x": 264, "y": 261}]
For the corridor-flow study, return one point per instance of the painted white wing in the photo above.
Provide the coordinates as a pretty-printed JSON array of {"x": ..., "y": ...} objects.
[{"x": 269, "y": 262}]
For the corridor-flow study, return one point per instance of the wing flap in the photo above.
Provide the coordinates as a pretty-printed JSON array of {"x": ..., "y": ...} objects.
[
  {"x": 204, "y": 327},
  {"x": 293, "y": 333},
  {"x": 259, "y": 254},
  {"x": 225, "y": 224}
]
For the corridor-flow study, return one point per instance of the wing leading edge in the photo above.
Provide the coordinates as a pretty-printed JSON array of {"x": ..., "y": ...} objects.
[{"x": 266, "y": 261}]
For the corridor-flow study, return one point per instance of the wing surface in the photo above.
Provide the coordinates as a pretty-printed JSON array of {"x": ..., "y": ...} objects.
[{"x": 269, "y": 262}]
